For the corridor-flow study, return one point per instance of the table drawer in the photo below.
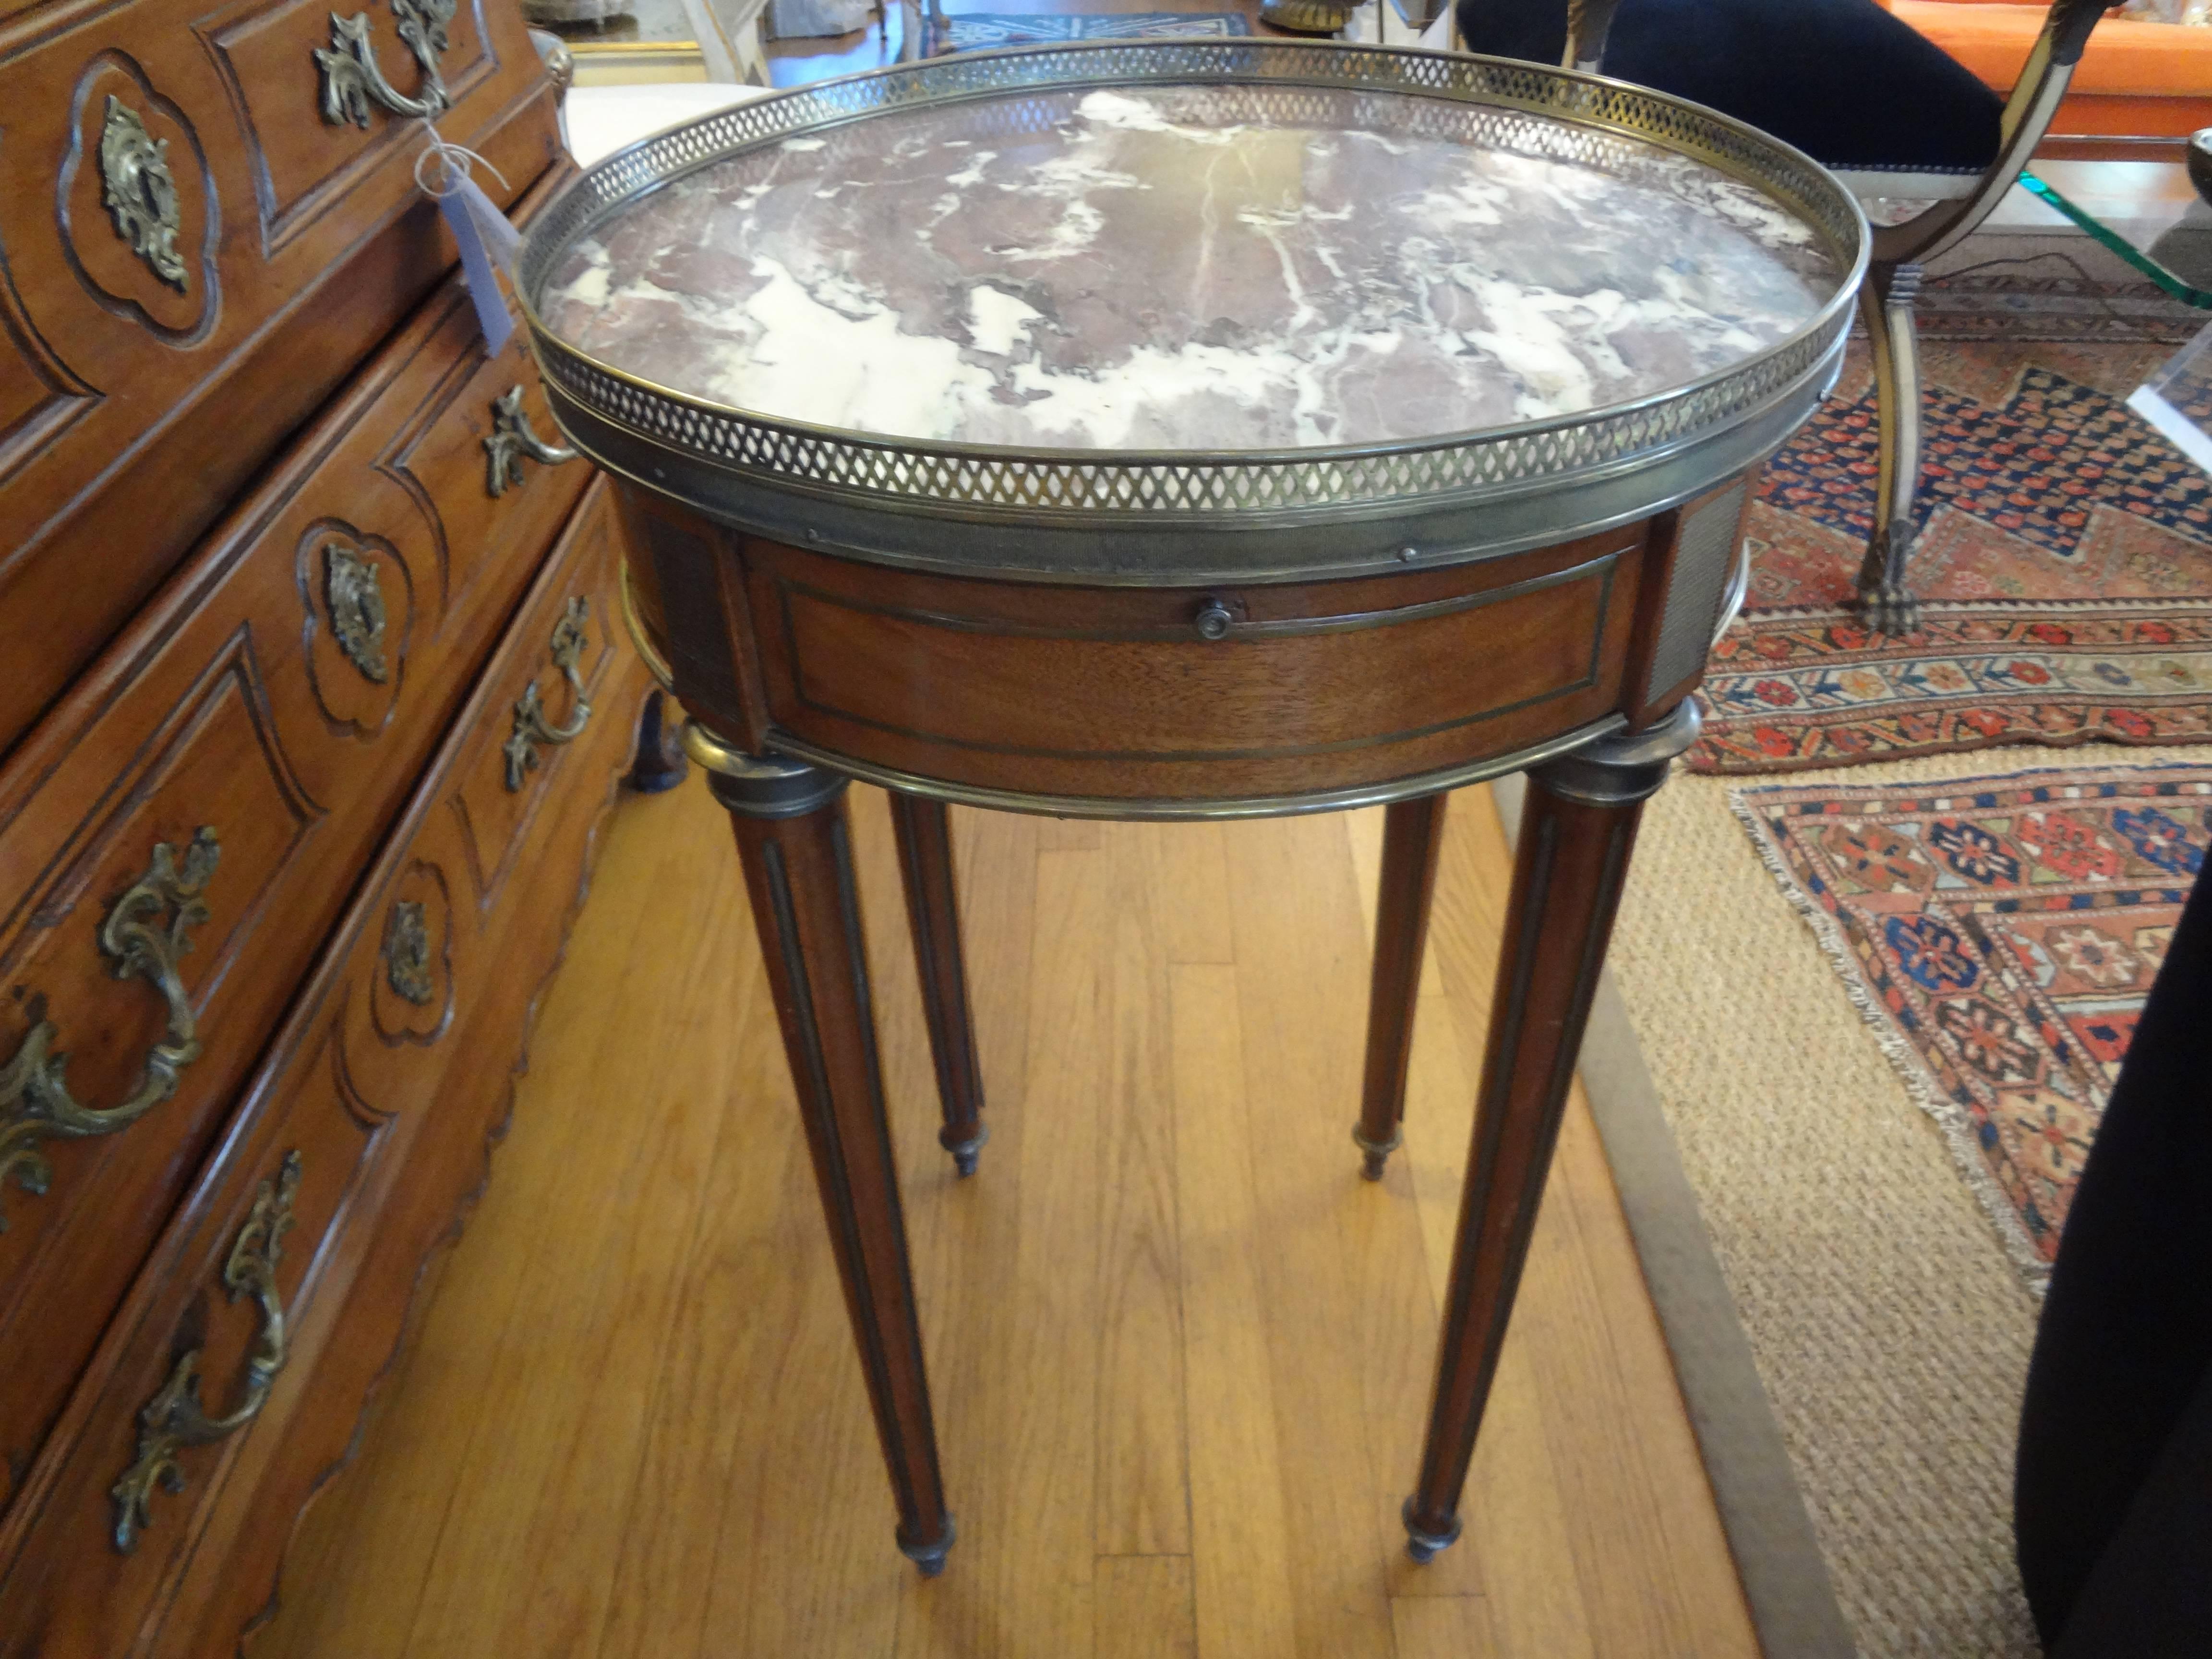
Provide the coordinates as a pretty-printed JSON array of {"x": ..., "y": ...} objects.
[
  {"x": 369, "y": 1118},
  {"x": 181, "y": 832},
  {"x": 1148, "y": 693},
  {"x": 195, "y": 256}
]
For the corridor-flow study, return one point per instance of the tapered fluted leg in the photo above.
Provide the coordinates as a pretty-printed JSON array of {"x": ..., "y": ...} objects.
[
  {"x": 1413, "y": 830},
  {"x": 933, "y": 910},
  {"x": 1886, "y": 307},
  {"x": 1576, "y": 829},
  {"x": 793, "y": 838}
]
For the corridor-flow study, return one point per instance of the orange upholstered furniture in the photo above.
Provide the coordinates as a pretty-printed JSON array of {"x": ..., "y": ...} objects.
[{"x": 2140, "y": 87}]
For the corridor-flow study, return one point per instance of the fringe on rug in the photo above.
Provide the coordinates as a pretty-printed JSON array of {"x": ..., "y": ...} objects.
[{"x": 1919, "y": 1083}]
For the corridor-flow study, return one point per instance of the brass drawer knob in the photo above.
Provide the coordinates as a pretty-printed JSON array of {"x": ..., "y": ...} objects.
[
  {"x": 353, "y": 82},
  {"x": 174, "y": 1419},
  {"x": 1214, "y": 620},
  {"x": 511, "y": 440},
  {"x": 531, "y": 728},
  {"x": 142, "y": 934}
]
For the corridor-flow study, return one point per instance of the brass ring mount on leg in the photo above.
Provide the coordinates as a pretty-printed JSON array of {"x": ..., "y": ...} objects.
[
  {"x": 760, "y": 785},
  {"x": 1621, "y": 766}
]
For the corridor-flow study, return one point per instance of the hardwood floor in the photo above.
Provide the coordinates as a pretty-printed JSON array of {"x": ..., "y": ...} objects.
[{"x": 1180, "y": 1349}]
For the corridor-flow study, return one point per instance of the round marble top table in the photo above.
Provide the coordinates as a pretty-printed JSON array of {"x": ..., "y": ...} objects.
[{"x": 1183, "y": 430}]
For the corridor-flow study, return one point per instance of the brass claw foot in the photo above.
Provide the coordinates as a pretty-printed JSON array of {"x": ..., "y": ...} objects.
[{"x": 1888, "y": 609}]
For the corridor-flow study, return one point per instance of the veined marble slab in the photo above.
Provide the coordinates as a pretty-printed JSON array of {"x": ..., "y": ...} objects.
[{"x": 1189, "y": 268}]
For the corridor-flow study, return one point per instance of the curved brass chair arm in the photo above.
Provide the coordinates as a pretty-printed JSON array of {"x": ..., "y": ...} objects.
[
  {"x": 1886, "y": 600},
  {"x": 2028, "y": 116},
  {"x": 1588, "y": 23},
  {"x": 143, "y": 935},
  {"x": 174, "y": 1419}
]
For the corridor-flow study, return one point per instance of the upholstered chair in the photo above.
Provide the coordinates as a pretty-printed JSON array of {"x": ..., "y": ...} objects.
[{"x": 1864, "y": 93}]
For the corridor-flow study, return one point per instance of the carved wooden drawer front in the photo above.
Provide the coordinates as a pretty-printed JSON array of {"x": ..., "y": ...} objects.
[
  {"x": 197, "y": 242},
  {"x": 1165, "y": 692},
  {"x": 367, "y": 1123},
  {"x": 548, "y": 695},
  {"x": 252, "y": 734}
]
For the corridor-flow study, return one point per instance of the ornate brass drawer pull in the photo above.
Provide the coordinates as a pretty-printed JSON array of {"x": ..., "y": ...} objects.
[
  {"x": 511, "y": 440},
  {"x": 352, "y": 79},
  {"x": 531, "y": 728},
  {"x": 35, "y": 1103},
  {"x": 174, "y": 1419},
  {"x": 140, "y": 193}
]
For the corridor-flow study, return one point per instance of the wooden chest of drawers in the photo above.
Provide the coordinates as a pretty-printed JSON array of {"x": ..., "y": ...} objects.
[
  {"x": 318, "y": 688},
  {"x": 195, "y": 258}
]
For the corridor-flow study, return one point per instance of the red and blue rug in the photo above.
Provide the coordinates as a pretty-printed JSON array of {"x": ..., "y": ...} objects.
[
  {"x": 2000, "y": 935},
  {"x": 2064, "y": 556}
]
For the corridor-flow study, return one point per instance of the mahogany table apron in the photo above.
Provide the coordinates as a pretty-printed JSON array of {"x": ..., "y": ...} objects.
[{"x": 1300, "y": 598}]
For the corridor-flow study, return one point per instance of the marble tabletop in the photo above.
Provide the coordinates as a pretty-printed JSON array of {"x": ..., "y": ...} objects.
[{"x": 1189, "y": 268}]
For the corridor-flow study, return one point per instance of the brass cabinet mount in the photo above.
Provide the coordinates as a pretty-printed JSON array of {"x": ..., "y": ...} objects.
[
  {"x": 407, "y": 953},
  {"x": 144, "y": 935},
  {"x": 355, "y": 594},
  {"x": 174, "y": 1417},
  {"x": 570, "y": 634},
  {"x": 353, "y": 80},
  {"x": 511, "y": 438},
  {"x": 140, "y": 193}
]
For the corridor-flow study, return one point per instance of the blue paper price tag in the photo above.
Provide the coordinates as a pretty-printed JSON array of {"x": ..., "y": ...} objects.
[{"x": 488, "y": 242}]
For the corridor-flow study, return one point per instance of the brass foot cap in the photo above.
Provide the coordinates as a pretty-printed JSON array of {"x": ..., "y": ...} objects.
[
  {"x": 1422, "y": 1545},
  {"x": 930, "y": 1557},
  {"x": 964, "y": 1152},
  {"x": 1375, "y": 1153}
]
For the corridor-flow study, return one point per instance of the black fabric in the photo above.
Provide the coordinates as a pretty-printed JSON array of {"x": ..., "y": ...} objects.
[
  {"x": 2149, "y": 1597},
  {"x": 2112, "y": 1502},
  {"x": 1842, "y": 79}
]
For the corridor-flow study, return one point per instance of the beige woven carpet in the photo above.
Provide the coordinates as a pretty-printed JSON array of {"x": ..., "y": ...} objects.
[{"x": 1890, "y": 1331}]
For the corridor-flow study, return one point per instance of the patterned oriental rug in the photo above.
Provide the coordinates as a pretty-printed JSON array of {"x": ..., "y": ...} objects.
[
  {"x": 2065, "y": 557},
  {"x": 1999, "y": 935}
]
